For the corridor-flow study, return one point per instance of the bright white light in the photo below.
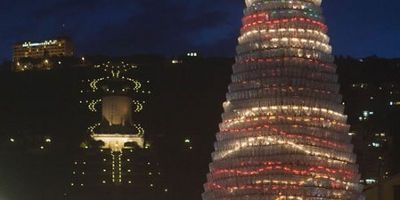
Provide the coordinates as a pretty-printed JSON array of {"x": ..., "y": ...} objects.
[
  {"x": 49, "y": 42},
  {"x": 116, "y": 142},
  {"x": 176, "y": 61},
  {"x": 370, "y": 181},
  {"x": 375, "y": 144},
  {"x": 366, "y": 113},
  {"x": 192, "y": 54}
]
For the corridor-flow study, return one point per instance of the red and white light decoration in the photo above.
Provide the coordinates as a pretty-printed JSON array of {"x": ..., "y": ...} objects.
[{"x": 283, "y": 134}]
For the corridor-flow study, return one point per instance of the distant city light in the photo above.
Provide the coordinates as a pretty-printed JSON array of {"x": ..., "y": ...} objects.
[
  {"x": 192, "y": 54},
  {"x": 367, "y": 113},
  {"x": 370, "y": 181},
  {"x": 375, "y": 144},
  {"x": 176, "y": 61}
]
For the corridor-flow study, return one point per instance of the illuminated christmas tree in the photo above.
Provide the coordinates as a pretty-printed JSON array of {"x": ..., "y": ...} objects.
[{"x": 283, "y": 134}]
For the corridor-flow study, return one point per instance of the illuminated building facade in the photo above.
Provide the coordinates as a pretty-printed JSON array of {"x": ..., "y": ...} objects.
[
  {"x": 116, "y": 162},
  {"x": 36, "y": 55},
  {"x": 283, "y": 134}
]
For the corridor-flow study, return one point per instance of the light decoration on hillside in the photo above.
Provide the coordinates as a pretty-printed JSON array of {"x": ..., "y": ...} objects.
[
  {"x": 283, "y": 133},
  {"x": 114, "y": 94}
]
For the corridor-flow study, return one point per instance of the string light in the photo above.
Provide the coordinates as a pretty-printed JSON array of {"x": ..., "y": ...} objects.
[
  {"x": 115, "y": 89},
  {"x": 283, "y": 134}
]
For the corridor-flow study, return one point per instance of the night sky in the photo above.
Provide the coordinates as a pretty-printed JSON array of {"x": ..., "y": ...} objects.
[{"x": 171, "y": 27}]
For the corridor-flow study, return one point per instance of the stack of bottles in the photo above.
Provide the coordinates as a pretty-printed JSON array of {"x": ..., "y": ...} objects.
[{"x": 283, "y": 133}]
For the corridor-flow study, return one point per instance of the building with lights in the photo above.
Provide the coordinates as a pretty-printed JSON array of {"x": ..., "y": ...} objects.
[
  {"x": 372, "y": 99},
  {"x": 283, "y": 133},
  {"x": 116, "y": 162},
  {"x": 387, "y": 190},
  {"x": 37, "y": 55}
]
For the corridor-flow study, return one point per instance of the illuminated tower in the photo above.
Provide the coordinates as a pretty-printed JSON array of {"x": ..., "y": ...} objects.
[
  {"x": 283, "y": 134},
  {"x": 116, "y": 162}
]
